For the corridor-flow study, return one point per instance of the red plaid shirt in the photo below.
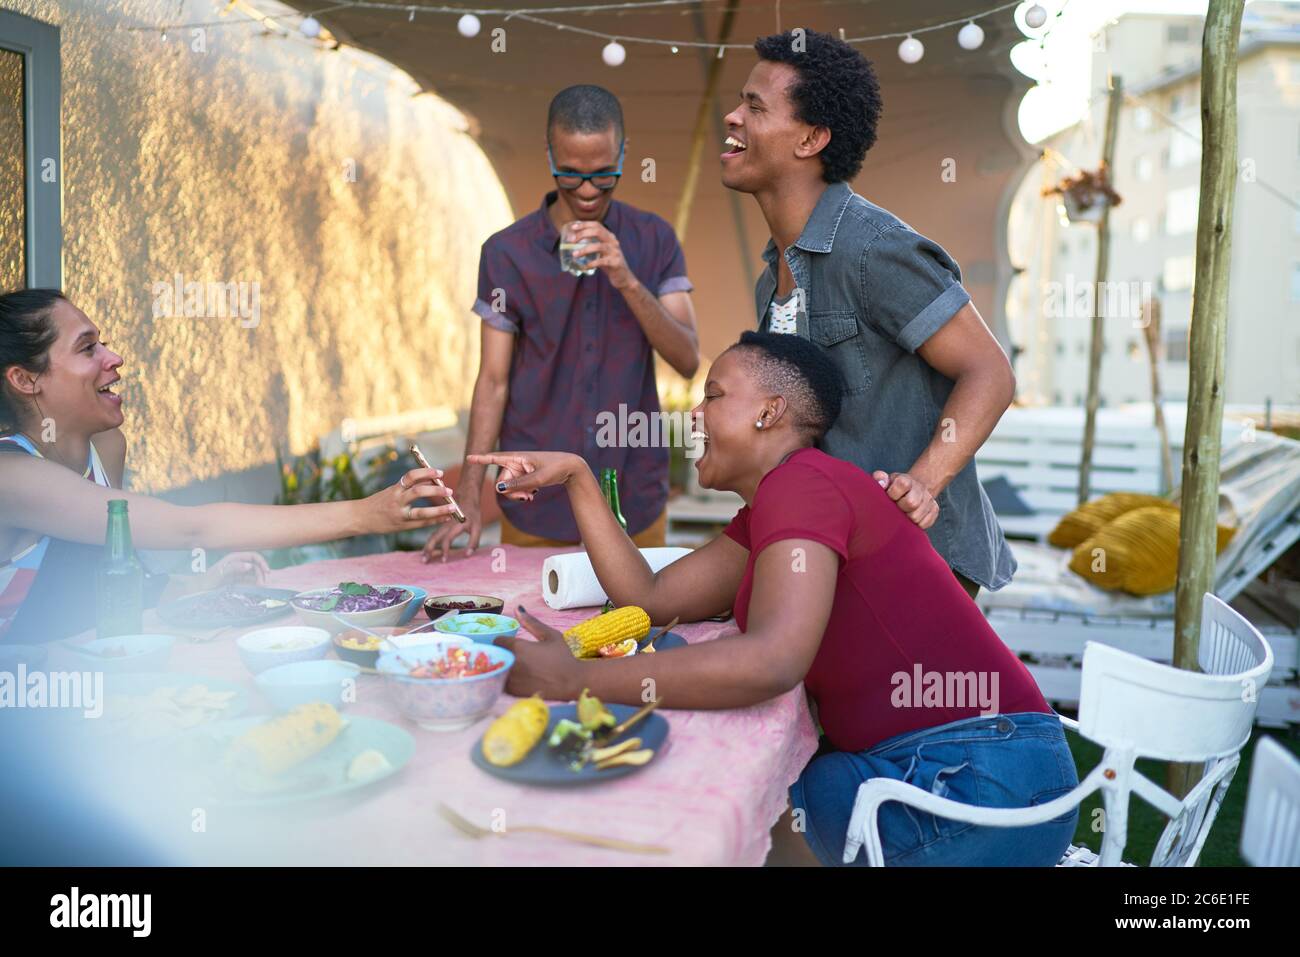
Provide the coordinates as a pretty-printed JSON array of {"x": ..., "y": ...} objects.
[{"x": 579, "y": 352}]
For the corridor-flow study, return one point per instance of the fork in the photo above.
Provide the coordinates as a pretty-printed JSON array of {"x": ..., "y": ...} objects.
[{"x": 468, "y": 827}]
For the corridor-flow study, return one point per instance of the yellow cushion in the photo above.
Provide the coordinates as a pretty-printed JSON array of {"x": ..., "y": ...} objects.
[
  {"x": 1089, "y": 518},
  {"x": 1137, "y": 553}
]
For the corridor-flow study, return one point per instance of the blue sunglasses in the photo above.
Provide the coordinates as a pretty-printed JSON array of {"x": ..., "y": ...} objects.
[{"x": 604, "y": 181}]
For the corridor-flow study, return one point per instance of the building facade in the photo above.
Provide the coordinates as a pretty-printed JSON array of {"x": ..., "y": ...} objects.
[{"x": 1153, "y": 230}]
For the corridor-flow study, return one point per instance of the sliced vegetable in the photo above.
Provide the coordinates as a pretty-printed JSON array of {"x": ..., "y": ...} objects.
[
  {"x": 593, "y": 714},
  {"x": 604, "y": 754},
  {"x": 633, "y": 758}
]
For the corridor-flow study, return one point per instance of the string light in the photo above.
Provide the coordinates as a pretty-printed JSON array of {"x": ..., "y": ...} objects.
[
  {"x": 614, "y": 52},
  {"x": 911, "y": 50},
  {"x": 970, "y": 37}
]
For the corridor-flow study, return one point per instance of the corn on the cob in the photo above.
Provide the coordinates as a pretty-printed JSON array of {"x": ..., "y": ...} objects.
[
  {"x": 586, "y": 639},
  {"x": 281, "y": 743},
  {"x": 510, "y": 737}
]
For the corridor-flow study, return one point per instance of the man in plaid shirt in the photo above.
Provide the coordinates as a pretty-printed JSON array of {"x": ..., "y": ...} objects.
[{"x": 558, "y": 350}]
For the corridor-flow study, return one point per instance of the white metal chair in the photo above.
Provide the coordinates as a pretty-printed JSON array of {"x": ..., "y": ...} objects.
[
  {"x": 1133, "y": 708},
  {"x": 1270, "y": 834}
]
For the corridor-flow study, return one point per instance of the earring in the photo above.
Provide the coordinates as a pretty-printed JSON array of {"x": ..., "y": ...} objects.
[{"x": 758, "y": 424}]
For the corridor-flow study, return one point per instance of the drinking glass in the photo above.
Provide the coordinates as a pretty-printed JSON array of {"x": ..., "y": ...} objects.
[{"x": 570, "y": 262}]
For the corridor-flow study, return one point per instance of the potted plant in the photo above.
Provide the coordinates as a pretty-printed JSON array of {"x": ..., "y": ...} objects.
[{"x": 1086, "y": 194}]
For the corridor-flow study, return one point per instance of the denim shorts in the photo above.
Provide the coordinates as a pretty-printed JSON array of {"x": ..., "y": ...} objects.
[{"x": 1006, "y": 760}]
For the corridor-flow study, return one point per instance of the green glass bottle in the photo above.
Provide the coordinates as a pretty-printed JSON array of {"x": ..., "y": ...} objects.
[
  {"x": 609, "y": 488},
  {"x": 119, "y": 580}
]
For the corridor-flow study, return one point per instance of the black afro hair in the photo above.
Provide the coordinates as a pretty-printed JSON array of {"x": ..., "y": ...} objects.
[{"x": 837, "y": 89}]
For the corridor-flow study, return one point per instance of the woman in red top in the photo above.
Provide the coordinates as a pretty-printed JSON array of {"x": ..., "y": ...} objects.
[{"x": 833, "y": 585}]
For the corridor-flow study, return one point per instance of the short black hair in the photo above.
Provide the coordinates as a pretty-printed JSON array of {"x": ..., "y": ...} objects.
[
  {"x": 585, "y": 108},
  {"x": 26, "y": 334},
  {"x": 795, "y": 368},
  {"x": 837, "y": 89}
]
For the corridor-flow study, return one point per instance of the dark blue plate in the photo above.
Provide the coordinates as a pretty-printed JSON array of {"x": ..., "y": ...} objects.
[
  {"x": 183, "y": 613},
  {"x": 542, "y": 768},
  {"x": 665, "y": 641}
]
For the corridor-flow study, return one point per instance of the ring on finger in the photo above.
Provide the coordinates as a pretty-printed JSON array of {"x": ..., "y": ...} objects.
[
  {"x": 406, "y": 513},
  {"x": 401, "y": 480}
]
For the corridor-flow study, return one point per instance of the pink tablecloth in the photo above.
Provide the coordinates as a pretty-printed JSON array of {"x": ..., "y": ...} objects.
[{"x": 711, "y": 796}]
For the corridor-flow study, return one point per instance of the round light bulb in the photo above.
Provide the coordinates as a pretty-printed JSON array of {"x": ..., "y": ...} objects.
[
  {"x": 1035, "y": 16},
  {"x": 310, "y": 28},
  {"x": 468, "y": 25},
  {"x": 970, "y": 37},
  {"x": 911, "y": 50},
  {"x": 614, "y": 53}
]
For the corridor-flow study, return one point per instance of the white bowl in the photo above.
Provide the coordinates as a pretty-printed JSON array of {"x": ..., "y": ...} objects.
[
  {"x": 376, "y": 618},
  {"x": 301, "y": 682},
  {"x": 269, "y": 647}
]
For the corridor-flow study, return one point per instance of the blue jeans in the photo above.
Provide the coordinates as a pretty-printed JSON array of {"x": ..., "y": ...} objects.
[{"x": 1008, "y": 760}]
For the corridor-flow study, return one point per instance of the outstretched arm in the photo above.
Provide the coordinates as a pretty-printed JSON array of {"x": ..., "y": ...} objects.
[
  {"x": 696, "y": 586},
  {"x": 48, "y": 499},
  {"x": 787, "y": 617}
]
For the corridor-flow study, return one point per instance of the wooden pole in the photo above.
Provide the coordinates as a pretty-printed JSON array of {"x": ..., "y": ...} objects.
[
  {"x": 1154, "y": 353},
  {"x": 687, "y": 198},
  {"x": 1098, "y": 313},
  {"x": 1200, "y": 499}
]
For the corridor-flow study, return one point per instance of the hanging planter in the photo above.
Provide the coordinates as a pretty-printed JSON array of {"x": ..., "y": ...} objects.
[{"x": 1086, "y": 195}]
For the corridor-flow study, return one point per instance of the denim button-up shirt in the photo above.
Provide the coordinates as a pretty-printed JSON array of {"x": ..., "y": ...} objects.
[{"x": 871, "y": 292}]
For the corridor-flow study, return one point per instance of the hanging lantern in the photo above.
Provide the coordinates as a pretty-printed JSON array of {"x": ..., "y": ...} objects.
[
  {"x": 614, "y": 54},
  {"x": 1035, "y": 16},
  {"x": 970, "y": 37},
  {"x": 310, "y": 28},
  {"x": 468, "y": 25},
  {"x": 911, "y": 50}
]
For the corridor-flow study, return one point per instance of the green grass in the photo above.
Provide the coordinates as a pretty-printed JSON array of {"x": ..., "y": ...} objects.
[{"x": 1146, "y": 823}]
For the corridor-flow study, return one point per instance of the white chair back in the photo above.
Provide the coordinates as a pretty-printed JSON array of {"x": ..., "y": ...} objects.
[
  {"x": 1173, "y": 715},
  {"x": 1138, "y": 708},
  {"x": 1135, "y": 708},
  {"x": 1270, "y": 834}
]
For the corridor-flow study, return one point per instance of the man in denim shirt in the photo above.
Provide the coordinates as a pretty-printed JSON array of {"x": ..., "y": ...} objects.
[{"x": 925, "y": 379}]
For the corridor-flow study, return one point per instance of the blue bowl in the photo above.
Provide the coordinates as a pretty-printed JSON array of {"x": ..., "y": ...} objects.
[
  {"x": 300, "y": 682},
  {"x": 477, "y": 627},
  {"x": 444, "y": 704},
  {"x": 415, "y": 604}
]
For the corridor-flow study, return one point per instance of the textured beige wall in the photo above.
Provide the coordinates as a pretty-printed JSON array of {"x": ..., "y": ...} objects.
[{"x": 231, "y": 165}]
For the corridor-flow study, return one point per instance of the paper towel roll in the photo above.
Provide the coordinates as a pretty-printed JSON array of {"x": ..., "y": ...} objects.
[{"x": 569, "y": 581}]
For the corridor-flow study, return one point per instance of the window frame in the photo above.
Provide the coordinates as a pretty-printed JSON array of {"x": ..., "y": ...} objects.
[{"x": 38, "y": 44}]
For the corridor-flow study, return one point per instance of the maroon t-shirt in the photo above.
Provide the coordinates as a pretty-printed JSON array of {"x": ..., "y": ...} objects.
[{"x": 905, "y": 648}]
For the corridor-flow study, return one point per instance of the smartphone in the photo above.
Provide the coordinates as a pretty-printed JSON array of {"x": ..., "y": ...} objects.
[{"x": 424, "y": 464}]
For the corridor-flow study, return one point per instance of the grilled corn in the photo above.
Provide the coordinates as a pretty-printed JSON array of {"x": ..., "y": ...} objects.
[
  {"x": 586, "y": 639},
  {"x": 510, "y": 737},
  {"x": 277, "y": 745}
]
